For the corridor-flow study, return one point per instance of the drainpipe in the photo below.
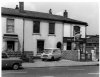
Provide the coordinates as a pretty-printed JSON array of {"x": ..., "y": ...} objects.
[
  {"x": 85, "y": 40},
  {"x": 23, "y": 35}
]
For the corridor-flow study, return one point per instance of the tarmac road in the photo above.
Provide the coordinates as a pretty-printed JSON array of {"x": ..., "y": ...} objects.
[{"x": 72, "y": 71}]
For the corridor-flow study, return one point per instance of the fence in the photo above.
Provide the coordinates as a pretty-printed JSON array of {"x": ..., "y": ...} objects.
[{"x": 70, "y": 55}]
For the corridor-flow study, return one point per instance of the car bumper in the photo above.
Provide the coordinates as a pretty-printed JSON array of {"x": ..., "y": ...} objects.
[{"x": 49, "y": 57}]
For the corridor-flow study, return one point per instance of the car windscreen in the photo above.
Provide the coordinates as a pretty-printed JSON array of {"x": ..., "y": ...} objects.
[{"x": 47, "y": 51}]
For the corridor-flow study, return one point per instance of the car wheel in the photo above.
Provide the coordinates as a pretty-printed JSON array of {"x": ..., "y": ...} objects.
[
  {"x": 43, "y": 59},
  {"x": 52, "y": 58},
  {"x": 16, "y": 66}
]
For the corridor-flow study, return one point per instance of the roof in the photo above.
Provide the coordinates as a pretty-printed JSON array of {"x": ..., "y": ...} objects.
[{"x": 39, "y": 15}]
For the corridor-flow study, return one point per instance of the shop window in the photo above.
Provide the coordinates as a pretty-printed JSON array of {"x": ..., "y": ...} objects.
[
  {"x": 10, "y": 25},
  {"x": 36, "y": 27}
]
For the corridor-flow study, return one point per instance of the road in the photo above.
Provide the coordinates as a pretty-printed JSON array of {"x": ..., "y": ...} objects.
[{"x": 72, "y": 71}]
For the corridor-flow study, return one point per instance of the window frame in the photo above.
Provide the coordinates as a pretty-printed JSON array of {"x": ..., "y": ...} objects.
[
  {"x": 7, "y": 31},
  {"x": 37, "y": 32},
  {"x": 74, "y": 29},
  {"x": 51, "y": 33}
]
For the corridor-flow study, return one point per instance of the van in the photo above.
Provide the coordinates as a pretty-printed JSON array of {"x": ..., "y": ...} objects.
[{"x": 51, "y": 54}]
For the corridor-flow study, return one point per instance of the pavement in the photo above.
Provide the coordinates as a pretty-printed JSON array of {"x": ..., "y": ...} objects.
[{"x": 63, "y": 62}]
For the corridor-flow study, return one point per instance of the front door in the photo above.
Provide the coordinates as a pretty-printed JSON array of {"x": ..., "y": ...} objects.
[
  {"x": 10, "y": 45},
  {"x": 69, "y": 45},
  {"x": 40, "y": 46}
]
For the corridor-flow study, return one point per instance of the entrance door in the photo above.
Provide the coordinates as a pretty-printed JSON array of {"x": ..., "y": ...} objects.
[
  {"x": 40, "y": 46},
  {"x": 69, "y": 45},
  {"x": 10, "y": 45}
]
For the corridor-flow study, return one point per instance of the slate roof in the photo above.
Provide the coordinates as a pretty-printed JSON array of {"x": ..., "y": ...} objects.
[{"x": 38, "y": 15}]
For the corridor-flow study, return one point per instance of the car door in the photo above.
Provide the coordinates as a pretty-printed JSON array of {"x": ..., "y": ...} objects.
[
  {"x": 55, "y": 53},
  {"x": 4, "y": 60},
  {"x": 59, "y": 52}
]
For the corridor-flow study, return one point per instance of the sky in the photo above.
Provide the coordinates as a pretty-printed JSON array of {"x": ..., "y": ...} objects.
[{"x": 83, "y": 11}]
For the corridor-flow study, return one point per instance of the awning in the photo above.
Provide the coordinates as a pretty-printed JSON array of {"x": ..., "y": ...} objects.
[{"x": 10, "y": 37}]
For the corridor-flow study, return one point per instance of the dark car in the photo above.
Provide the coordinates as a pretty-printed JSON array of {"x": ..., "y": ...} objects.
[{"x": 12, "y": 62}]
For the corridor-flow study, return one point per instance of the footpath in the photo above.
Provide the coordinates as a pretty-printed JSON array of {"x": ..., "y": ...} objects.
[{"x": 39, "y": 63}]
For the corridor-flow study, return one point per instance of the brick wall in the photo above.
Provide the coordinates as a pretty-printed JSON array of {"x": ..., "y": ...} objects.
[{"x": 70, "y": 55}]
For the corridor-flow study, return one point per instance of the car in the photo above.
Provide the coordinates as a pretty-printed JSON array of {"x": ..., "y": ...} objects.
[
  {"x": 14, "y": 63},
  {"x": 51, "y": 54}
]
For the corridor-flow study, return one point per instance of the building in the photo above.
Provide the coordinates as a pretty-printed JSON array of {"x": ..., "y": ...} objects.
[
  {"x": 24, "y": 30},
  {"x": 92, "y": 42}
]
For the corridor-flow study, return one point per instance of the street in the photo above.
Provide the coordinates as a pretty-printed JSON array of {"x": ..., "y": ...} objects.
[{"x": 71, "y": 71}]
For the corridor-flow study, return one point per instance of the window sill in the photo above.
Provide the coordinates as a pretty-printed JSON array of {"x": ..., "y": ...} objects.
[
  {"x": 51, "y": 35},
  {"x": 36, "y": 34}
]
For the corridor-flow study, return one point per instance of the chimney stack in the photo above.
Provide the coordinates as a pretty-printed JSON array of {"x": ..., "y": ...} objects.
[
  {"x": 50, "y": 11},
  {"x": 16, "y": 7},
  {"x": 65, "y": 14},
  {"x": 21, "y": 6}
]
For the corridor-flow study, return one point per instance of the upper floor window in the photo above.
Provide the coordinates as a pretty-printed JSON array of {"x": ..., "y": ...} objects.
[
  {"x": 36, "y": 27},
  {"x": 51, "y": 28},
  {"x": 76, "y": 30},
  {"x": 10, "y": 25}
]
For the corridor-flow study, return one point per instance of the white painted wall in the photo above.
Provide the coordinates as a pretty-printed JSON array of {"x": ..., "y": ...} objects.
[
  {"x": 3, "y": 20},
  {"x": 18, "y": 27},
  {"x": 19, "y": 30},
  {"x": 49, "y": 41},
  {"x": 82, "y": 29},
  {"x": 67, "y": 30}
]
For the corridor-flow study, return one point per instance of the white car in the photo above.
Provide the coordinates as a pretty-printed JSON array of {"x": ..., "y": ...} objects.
[{"x": 51, "y": 54}]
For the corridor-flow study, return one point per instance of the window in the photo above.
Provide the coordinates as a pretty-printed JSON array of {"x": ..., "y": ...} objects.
[
  {"x": 76, "y": 30},
  {"x": 51, "y": 28},
  {"x": 10, "y": 25},
  {"x": 36, "y": 27}
]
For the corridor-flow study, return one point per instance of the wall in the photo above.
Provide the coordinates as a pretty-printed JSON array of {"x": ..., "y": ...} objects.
[
  {"x": 49, "y": 41},
  {"x": 18, "y": 27},
  {"x": 82, "y": 29},
  {"x": 67, "y": 30},
  {"x": 19, "y": 30}
]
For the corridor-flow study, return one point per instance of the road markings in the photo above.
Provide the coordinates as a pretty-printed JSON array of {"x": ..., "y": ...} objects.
[
  {"x": 94, "y": 73},
  {"x": 12, "y": 72},
  {"x": 76, "y": 69}
]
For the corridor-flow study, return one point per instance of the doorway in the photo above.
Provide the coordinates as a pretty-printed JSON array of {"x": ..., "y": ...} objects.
[
  {"x": 40, "y": 46},
  {"x": 10, "y": 45},
  {"x": 69, "y": 45}
]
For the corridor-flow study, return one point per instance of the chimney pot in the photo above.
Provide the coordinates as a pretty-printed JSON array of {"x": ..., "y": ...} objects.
[
  {"x": 50, "y": 11},
  {"x": 65, "y": 14},
  {"x": 16, "y": 7}
]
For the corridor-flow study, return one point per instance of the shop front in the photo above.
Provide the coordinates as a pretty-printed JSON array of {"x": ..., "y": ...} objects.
[
  {"x": 79, "y": 45},
  {"x": 11, "y": 43}
]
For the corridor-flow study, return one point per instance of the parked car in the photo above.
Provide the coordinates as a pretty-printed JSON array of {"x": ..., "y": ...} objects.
[
  {"x": 12, "y": 62},
  {"x": 51, "y": 54}
]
